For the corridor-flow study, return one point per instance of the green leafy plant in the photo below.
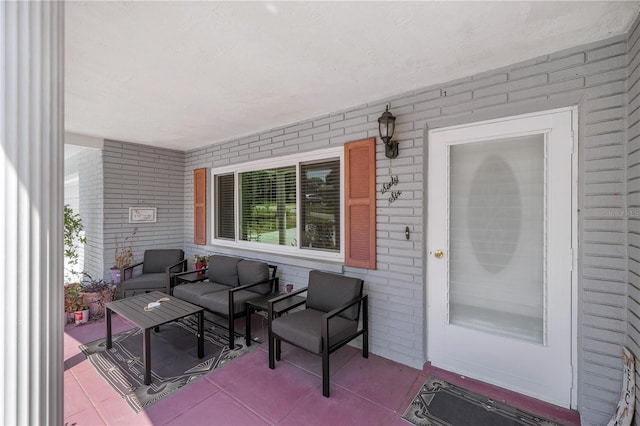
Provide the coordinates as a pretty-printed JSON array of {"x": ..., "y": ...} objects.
[
  {"x": 73, "y": 299},
  {"x": 73, "y": 238},
  {"x": 96, "y": 294}
]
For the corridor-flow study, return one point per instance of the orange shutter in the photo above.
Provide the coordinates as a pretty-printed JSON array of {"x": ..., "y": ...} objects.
[
  {"x": 200, "y": 206},
  {"x": 360, "y": 203}
]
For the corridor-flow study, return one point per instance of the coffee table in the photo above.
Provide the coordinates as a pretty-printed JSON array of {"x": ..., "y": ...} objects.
[{"x": 132, "y": 308}]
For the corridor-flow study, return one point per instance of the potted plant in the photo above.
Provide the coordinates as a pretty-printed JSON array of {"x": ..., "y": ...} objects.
[
  {"x": 201, "y": 262},
  {"x": 74, "y": 303},
  {"x": 73, "y": 237},
  {"x": 123, "y": 257},
  {"x": 96, "y": 293}
]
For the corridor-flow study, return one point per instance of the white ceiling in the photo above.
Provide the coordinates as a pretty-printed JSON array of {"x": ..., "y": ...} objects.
[{"x": 186, "y": 74}]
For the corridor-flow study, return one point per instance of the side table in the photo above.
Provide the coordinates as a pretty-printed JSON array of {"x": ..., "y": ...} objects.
[
  {"x": 260, "y": 304},
  {"x": 193, "y": 277}
]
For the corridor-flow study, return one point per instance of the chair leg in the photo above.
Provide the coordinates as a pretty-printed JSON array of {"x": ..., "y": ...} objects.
[
  {"x": 272, "y": 362},
  {"x": 325, "y": 373},
  {"x": 231, "y": 333},
  {"x": 365, "y": 344},
  {"x": 278, "y": 348}
]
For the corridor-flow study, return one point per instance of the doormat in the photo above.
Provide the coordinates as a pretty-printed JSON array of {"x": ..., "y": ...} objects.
[
  {"x": 174, "y": 360},
  {"x": 439, "y": 403}
]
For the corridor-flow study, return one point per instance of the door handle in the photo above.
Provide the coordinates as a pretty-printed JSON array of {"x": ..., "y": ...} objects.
[{"x": 438, "y": 254}]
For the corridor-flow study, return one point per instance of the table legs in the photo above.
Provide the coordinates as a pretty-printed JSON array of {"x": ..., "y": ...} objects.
[
  {"x": 108, "y": 315},
  {"x": 247, "y": 328},
  {"x": 146, "y": 355},
  {"x": 201, "y": 334}
]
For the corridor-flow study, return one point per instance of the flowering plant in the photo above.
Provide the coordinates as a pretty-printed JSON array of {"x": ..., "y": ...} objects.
[
  {"x": 200, "y": 259},
  {"x": 124, "y": 252}
]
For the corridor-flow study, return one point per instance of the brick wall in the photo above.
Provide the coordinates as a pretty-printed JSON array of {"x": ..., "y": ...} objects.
[
  {"x": 633, "y": 196},
  {"x": 592, "y": 77},
  {"x": 139, "y": 175}
]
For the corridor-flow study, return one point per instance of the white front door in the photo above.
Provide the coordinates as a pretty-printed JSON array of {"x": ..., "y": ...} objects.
[{"x": 499, "y": 255}]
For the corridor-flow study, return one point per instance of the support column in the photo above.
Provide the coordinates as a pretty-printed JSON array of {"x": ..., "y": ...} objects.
[{"x": 31, "y": 212}]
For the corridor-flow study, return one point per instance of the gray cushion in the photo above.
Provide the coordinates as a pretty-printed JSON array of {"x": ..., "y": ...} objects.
[
  {"x": 223, "y": 270},
  {"x": 219, "y": 301},
  {"x": 158, "y": 260},
  {"x": 146, "y": 282},
  {"x": 327, "y": 291},
  {"x": 193, "y": 291},
  {"x": 252, "y": 271},
  {"x": 304, "y": 329}
]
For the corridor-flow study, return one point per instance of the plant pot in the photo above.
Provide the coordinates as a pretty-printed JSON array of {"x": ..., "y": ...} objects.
[
  {"x": 115, "y": 275},
  {"x": 200, "y": 266},
  {"x": 97, "y": 300},
  {"x": 81, "y": 317}
]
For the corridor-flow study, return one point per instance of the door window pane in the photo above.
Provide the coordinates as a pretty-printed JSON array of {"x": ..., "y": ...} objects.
[{"x": 497, "y": 205}]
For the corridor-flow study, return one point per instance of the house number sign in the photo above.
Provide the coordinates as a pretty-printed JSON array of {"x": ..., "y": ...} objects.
[{"x": 386, "y": 187}]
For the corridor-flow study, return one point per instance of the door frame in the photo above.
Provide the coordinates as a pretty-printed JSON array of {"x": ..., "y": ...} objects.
[{"x": 574, "y": 226}]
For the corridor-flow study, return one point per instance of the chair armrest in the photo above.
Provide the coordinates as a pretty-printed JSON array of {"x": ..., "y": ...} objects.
[
  {"x": 169, "y": 277},
  {"x": 277, "y": 299},
  {"x": 247, "y": 286},
  {"x": 324, "y": 322},
  {"x": 123, "y": 277},
  {"x": 131, "y": 266},
  {"x": 183, "y": 262},
  {"x": 344, "y": 307},
  {"x": 273, "y": 269},
  {"x": 193, "y": 271}
]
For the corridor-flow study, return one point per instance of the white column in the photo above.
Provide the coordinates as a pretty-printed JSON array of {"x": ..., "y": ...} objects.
[{"x": 31, "y": 212}]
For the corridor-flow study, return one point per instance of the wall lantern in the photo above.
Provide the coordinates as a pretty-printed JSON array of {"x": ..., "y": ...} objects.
[{"x": 386, "y": 126}]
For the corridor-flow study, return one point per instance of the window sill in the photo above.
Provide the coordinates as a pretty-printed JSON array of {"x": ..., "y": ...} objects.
[{"x": 281, "y": 259}]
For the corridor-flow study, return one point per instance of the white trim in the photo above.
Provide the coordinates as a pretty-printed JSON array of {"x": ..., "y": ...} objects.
[
  {"x": 469, "y": 132},
  {"x": 269, "y": 163},
  {"x": 574, "y": 266}
]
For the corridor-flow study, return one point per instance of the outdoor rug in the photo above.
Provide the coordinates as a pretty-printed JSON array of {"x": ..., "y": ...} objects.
[
  {"x": 174, "y": 360},
  {"x": 440, "y": 403}
]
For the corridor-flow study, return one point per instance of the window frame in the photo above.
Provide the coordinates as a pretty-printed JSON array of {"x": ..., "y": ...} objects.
[{"x": 271, "y": 163}]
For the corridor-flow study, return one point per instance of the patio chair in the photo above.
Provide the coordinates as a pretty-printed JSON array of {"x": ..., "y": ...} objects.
[
  {"x": 158, "y": 268},
  {"x": 329, "y": 321},
  {"x": 229, "y": 283}
]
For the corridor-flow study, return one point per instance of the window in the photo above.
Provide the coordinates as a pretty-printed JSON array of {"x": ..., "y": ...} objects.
[
  {"x": 268, "y": 206},
  {"x": 320, "y": 212},
  {"x": 225, "y": 206},
  {"x": 291, "y": 205}
]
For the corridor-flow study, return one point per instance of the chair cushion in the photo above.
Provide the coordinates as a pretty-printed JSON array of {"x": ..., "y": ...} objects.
[
  {"x": 327, "y": 291},
  {"x": 303, "y": 329},
  {"x": 158, "y": 260},
  {"x": 253, "y": 271},
  {"x": 218, "y": 302},
  {"x": 146, "y": 282},
  {"x": 223, "y": 270},
  {"x": 193, "y": 291}
]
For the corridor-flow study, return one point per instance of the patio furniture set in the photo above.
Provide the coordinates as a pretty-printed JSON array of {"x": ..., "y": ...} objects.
[{"x": 326, "y": 319}]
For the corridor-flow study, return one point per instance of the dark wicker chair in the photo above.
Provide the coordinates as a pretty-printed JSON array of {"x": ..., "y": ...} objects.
[
  {"x": 329, "y": 321},
  {"x": 158, "y": 268},
  {"x": 229, "y": 282}
]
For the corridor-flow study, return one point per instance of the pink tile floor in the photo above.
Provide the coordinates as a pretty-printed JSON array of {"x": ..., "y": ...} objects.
[{"x": 373, "y": 391}]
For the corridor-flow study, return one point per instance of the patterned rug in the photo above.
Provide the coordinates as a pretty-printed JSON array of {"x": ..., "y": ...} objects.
[
  {"x": 439, "y": 403},
  {"x": 174, "y": 360}
]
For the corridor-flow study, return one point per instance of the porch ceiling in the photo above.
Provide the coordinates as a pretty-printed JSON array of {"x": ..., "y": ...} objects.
[{"x": 181, "y": 74}]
